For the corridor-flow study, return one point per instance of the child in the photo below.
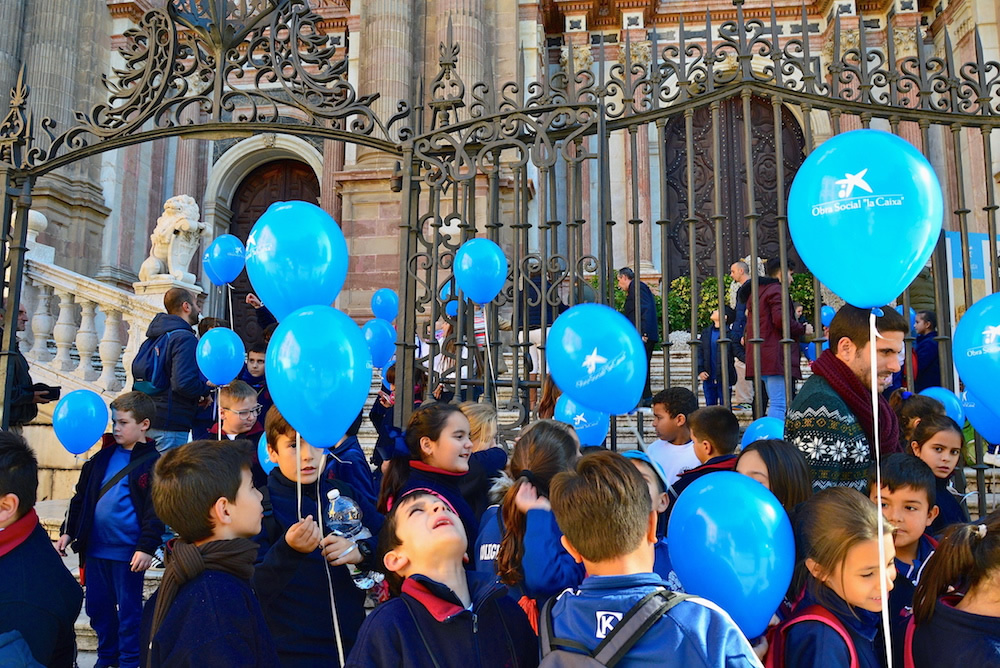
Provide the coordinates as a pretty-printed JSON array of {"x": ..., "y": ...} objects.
[
  {"x": 438, "y": 450},
  {"x": 483, "y": 421},
  {"x": 487, "y": 461},
  {"x": 253, "y": 375},
  {"x": 656, "y": 481},
  {"x": 239, "y": 410},
  {"x": 617, "y": 552},
  {"x": 908, "y": 502},
  {"x": 910, "y": 409},
  {"x": 205, "y": 612},
  {"x": 837, "y": 534},
  {"x": 779, "y": 466},
  {"x": 289, "y": 577},
  {"x": 710, "y": 360},
  {"x": 444, "y": 615},
  {"x": 112, "y": 524},
  {"x": 39, "y": 599},
  {"x": 955, "y": 611},
  {"x": 937, "y": 440},
  {"x": 674, "y": 451},
  {"x": 519, "y": 539},
  {"x": 716, "y": 434},
  {"x": 349, "y": 464}
]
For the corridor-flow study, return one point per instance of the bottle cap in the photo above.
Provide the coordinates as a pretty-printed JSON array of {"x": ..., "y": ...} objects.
[{"x": 333, "y": 494}]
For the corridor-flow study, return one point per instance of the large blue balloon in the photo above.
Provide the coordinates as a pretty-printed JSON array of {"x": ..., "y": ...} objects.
[
  {"x": 952, "y": 404},
  {"x": 79, "y": 420},
  {"x": 210, "y": 272},
  {"x": 763, "y": 429},
  {"x": 976, "y": 350},
  {"x": 381, "y": 338},
  {"x": 262, "y": 456},
  {"x": 480, "y": 270},
  {"x": 872, "y": 197},
  {"x": 596, "y": 356},
  {"x": 318, "y": 371},
  {"x": 591, "y": 426},
  {"x": 385, "y": 304},
  {"x": 731, "y": 542},
  {"x": 826, "y": 315},
  {"x": 296, "y": 256},
  {"x": 224, "y": 259},
  {"x": 982, "y": 418},
  {"x": 220, "y": 355}
]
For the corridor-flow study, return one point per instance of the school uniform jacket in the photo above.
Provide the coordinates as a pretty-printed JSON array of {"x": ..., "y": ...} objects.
[
  {"x": 818, "y": 645},
  {"x": 956, "y": 639}
]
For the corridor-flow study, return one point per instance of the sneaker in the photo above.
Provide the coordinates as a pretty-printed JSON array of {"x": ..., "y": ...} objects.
[
  {"x": 159, "y": 557},
  {"x": 743, "y": 407}
]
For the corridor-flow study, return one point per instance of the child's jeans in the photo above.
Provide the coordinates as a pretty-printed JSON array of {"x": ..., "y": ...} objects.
[
  {"x": 114, "y": 605},
  {"x": 713, "y": 392}
]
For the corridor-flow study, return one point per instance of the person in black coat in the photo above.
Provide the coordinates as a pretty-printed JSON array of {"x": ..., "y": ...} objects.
[
  {"x": 25, "y": 395},
  {"x": 710, "y": 360},
  {"x": 39, "y": 599},
  {"x": 648, "y": 327}
]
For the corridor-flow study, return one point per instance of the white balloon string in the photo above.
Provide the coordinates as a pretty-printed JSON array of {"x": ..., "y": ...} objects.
[
  {"x": 298, "y": 473},
  {"x": 877, "y": 451},
  {"x": 489, "y": 358},
  {"x": 329, "y": 579},
  {"x": 229, "y": 291},
  {"x": 218, "y": 410}
]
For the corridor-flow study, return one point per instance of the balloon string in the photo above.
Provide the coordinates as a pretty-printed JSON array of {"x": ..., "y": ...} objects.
[
  {"x": 883, "y": 590},
  {"x": 489, "y": 358},
  {"x": 298, "y": 474},
  {"x": 229, "y": 291},
  {"x": 329, "y": 580},
  {"x": 218, "y": 410}
]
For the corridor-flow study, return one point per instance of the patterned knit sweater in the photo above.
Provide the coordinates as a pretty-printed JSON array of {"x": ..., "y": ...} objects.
[{"x": 820, "y": 424}]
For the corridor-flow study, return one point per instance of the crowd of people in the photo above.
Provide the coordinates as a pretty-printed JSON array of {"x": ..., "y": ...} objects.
[{"x": 543, "y": 554}]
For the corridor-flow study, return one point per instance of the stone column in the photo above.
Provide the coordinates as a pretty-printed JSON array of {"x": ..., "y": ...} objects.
[
  {"x": 467, "y": 31},
  {"x": 11, "y": 17},
  {"x": 189, "y": 166}
]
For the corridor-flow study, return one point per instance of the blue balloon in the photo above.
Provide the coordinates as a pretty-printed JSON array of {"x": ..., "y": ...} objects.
[
  {"x": 79, "y": 420},
  {"x": 318, "y": 371},
  {"x": 976, "y": 350},
  {"x": 296, "y": 257},
  {"x": 262, "y": 456},
  {"x": 591, "y": 426},
  {"x": 596, "y": 356},
  {"x": 982, "y": 418},
  {"x": 385, "y": 304},
  {"x": 762, "y": 429},
  {"x": 381, "y": 339},
  {"x": 209, "y": 271},
  {"x": 826, "y": 315},
  {"x": 220, "y": 355},
  {"x": 224, "y": 259},
  {"x": 450, "y": 303},
  {"x": 913, "y": 315},
  {"x": 731, "y": 542},
  {"x": 872, "y": 197},
  {"x": 480, "y": 270},
  {"x": 952, "y": 404}
]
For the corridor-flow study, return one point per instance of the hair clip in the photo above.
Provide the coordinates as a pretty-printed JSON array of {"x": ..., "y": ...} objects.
[
  {"x": 981, "y": 530},
  {"x": 906, "y": 395}
]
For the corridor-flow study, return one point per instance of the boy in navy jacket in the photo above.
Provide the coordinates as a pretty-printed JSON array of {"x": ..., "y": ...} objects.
[
  {"x": 294, "y": 554},
  {"x": 39, "y": 599},
  {"x": 112, "y": 525},
  {"x": 710, "y": 360},
  {"x": 444, "y": 615},
  {"x": 716, "y": 435},
  {"x": 205, "y": 612},
  {"x": 618, "y": 555}
]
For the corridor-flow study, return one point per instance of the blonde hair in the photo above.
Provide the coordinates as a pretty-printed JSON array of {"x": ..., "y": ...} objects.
[{"x": 483, "y": 423}]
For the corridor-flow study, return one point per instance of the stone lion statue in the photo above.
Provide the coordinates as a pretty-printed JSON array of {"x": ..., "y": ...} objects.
[{"x": 174, "y": 241}]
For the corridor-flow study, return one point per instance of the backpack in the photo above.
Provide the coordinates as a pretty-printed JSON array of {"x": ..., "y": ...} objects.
[
  {"x": 814, "y": 613},
  {"x": 149, "y": 369},
  {"x": 562, "y": 652}
]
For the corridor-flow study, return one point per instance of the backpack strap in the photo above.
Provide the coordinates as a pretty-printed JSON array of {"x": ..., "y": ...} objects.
[
  {"x": 547, "y": 640},
  {"x": 817, "y": 613},
  {"x": 634, "y": 625},
  {"x": 128, "y": 468},
  {"x": 908, "y": 644}
]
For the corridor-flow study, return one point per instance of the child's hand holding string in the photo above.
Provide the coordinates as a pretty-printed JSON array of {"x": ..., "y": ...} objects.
[
  {"x": 304, "y": 535},
  {"x": 339, "y": 550}
]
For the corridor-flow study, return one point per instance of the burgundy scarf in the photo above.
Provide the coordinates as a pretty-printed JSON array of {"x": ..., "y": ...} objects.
[
  {"x": 858, "y": 398},
  {"x": 18, "y": 532}
]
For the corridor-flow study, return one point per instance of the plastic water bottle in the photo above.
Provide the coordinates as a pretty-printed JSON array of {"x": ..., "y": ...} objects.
[{"x": 343, "y": 518}]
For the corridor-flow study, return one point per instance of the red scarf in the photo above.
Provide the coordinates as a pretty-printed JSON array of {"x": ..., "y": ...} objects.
[
  {"x": 858, "y": 398},
  {"x": 18, "y": 532}
]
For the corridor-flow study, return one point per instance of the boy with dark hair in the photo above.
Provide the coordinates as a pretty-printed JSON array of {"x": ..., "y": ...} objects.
[
  {"x": 445, "y": 615},
  {"x": 205, "y": 612},
  {"x": 674, "y": 449},
  {"x": 39, "y": 599},
  {"x": 290, "y": 568},
  {"x": 711, "y": 362},
  {"x": 253, "y": 374},
  {"x": 112, "y": 525},
  {"x": 925, "y": 349},
  {"x": 716, "y": 435},
  {"x": 618, "y": 555},
  {"x": 908, "y": 502}
]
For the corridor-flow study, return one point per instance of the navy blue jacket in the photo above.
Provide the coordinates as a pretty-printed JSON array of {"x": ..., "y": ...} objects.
[
  {"x": 348, "y": 463},
  {"x": 950, "y": 510},
  {"x": 925, "y": 348},
  {"x": 38, "y": 596},
  {"x": 710, "y": 360},
  {"x": 291, "y": 586},
  {"x": 647, "y": 310},
  {"x": 903, "y": 589},
  {"x": 215, "y": 620},
  {"x": 386, "y": 447},
  {"x": 80, "y": 519},
  {"x": 694, "y": 633},
  {"x": 176, "y": 406},
  {"x": 427, "y": 626},
  {"x": 23, "y": 408},
  {"x": 740, "y": 321},
  {"x": 956, "y": 639},
  {"x": 484, "y": 467},
  {"x": 818, "y": 645}
]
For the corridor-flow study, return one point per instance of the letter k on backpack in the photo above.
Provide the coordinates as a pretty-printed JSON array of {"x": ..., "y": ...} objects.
[{"x": 149, "y": 368}]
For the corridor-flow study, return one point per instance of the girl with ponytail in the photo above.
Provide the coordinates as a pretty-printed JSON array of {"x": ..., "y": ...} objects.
[{"x": 956, "y": 608}]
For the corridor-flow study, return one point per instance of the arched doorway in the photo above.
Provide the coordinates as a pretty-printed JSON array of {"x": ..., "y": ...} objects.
[{"x": 277, "y": 181}]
